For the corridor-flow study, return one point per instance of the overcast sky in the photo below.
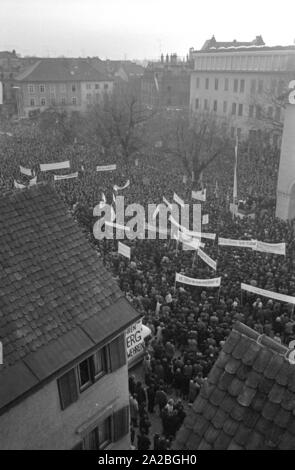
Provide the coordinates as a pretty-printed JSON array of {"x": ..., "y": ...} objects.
[{"x": 138, "y": 29}]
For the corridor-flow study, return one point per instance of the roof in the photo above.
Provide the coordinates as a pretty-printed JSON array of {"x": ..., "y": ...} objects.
[
  {"x": 248, "y": 401},
  {"x": 57, "y": 300},
  {"x": 131, "y": 68},
  {"x": 258, "y": 41},
  {"x": 62, "y": 70}
]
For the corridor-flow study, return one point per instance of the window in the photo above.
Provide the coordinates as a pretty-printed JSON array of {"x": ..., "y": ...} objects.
[
  {"x": 253, "y": 86},
  {"x": 43, "y": 102},
  {"x": 240, "y": 110},
  {"x": 99, "y": 437},
  {"x": 52, "y": 89},
  {"x": 97, "y": 86},
  {"x": 88, "y": 97},
  {"x": 251, "y": 110},
  {"x": 31, "y": 88},
  {"x": 226, "y": 84},
  {"x": 258, "y": 112},
  {"x": 216, "y": 84},
  {"x": 74, "y": 100},
  {"x": 239, "y": 132},
  {"x": 42, "y": 88},
  {"x": 99, "y": 363},
  {"x": 207, "y": 84},
  {"x": 84, "y": 374},
  {"x": 97, "y": 96},
  {"x": 234, "y": 108},
  {"x": 106, "y": 86},
  {"x": 242, "y": 86},
  {"x": 74, "y": 88},
  {"x": 225, "y": 106},
  {"x": 206, "y": 104},
  {"x": 63, "y": 88},
  {"x": 32, "y": 102},
  {"x": 67, "y": 386},
  {"x": 260, "y": 86},
  {"x": 198, "y": 82},
  {"x": 88, "y": 86},
  {"x": 215, "y": 105},
  {"x": 63, "y": 100},
  {"x": 232, "y": 132},
  {"x": 197, "y": 103},
  {"x": 236, "y": 84}
]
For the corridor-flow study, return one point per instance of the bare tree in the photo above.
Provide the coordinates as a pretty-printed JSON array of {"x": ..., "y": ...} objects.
[{"x": 198, "y": 142}]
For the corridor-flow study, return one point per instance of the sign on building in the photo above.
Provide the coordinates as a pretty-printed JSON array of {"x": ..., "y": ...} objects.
[{"x": 135, "y": 336}]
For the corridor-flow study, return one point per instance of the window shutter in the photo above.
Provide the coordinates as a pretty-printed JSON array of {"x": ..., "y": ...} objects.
[
  {"x": 121, "y": 423},
  {"x": 67, "y": 386},
  {"x": 117, "y": 353}
]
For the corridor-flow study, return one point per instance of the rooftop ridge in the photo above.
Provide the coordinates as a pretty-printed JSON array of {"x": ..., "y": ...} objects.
[{"x": 263, "y": 339}]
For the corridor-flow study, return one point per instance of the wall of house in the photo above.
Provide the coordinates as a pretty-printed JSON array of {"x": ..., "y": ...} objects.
[
  {"x": 38, "y": 422},
  {"x": 93, "y": 92}
]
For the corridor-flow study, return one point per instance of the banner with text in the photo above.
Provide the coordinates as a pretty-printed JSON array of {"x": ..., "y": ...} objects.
[
  {"x": 54, "y": 166},
  {"x": 198, "y": 282},
  {"x": 66, "y": 177},
  {"x": 207, "y": 259},
  {"x": 268, "y": 293},
  {"x": 124, "y": 250},
  {"x": 106, "y": 167}
]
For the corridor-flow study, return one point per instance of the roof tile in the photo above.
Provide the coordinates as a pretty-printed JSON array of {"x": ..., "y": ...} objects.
[
  {"x": 246, "y": 396},
  {"x": 274, "y": 366},
  {"x": 231, "y": 341},
  {"x": 262, "y": 360}
]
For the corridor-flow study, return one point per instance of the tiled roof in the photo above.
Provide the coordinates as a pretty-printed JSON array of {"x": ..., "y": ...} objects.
[
  {"x": 53, "y": 286},
  {"x": 248, "y": 401},
  {"x": 62, "y": 69}
]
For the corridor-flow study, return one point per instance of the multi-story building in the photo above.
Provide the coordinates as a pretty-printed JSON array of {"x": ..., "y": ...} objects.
[
  {"x": 64, "y": 377},
  {"x": 241, "y": 83},
  {"x": 72, "y": 84},
  {"x": 166, "y": 83}
]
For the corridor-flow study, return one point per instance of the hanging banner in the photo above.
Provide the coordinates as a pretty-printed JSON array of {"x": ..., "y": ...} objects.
[
  {"x": 275, "y": 248},
  {"x": 18, "y": 185},
  {"x": 207, "y": 259},
  {"x": 33, "y": 181},
  {"x": 66, "y": 177},
  {"x": 199, "y": 195},
  {"x": 124, "y": 250},
  {"x": 205, "y": 219},
  {"x": 106, "y": 167},
  {"x": 198, "y": 282},
  {"x": 190, "y": 233},
  {"x": 119, "y": 188},
  {"x": 25, "y": 171},
  {"x": 135, "y": 346},
  {"x": 178, "y": 200},
  {"x": 54, "y": 166},
  {"x": 238, "y": 243},
  {"x": 268, "y": 293}
]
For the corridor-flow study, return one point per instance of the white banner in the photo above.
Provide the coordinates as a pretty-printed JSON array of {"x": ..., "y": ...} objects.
[
  {"x": 124, "y": 250},
  {"x": 33, "y": 181},
  {"x": 135, "y": 335},
  {"x": 199, "y": 195},
  {"x": 207, "y": 259},
  {"x": 106, "y": 167},
  {"x": 66, "y": 177},
  {"x": 205, "y": 219},
  {"x": 190, "y": 233},
  {"x": 54, "y": 166},
  {"x": 178, "y": 200},
  {"x": 198, "y": 282},
  {"x": 276, "y": 248},
  {"x": 268, "y": 293},
  {"x": 25, "y": 171},
  {"x": 119, "y": 188},
  {"x": 18, "y": 185},
  {"x": 238, "y": 243}
]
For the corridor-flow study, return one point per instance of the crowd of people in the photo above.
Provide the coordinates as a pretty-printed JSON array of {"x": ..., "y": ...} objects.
[{"x": 189, "y": 324}]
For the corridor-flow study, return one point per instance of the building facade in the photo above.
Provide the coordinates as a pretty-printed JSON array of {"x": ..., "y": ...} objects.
[
  {"x": 71, "y": 84},
  {"x": 64, "y": 377},
  {"x": 241, "y": 84},
  {"x": 166, "y": 83}
]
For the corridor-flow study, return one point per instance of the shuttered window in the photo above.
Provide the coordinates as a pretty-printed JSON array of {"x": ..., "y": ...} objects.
[
  {"x": 121, "y": 423},
  {"x": 117, "y": 354},
  {"x": 67, "y": 386}
]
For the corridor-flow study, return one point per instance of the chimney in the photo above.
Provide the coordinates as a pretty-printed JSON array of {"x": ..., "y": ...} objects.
[
  {"x": 167, "y": 58},
  {"x": 162, "y": 58}
]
